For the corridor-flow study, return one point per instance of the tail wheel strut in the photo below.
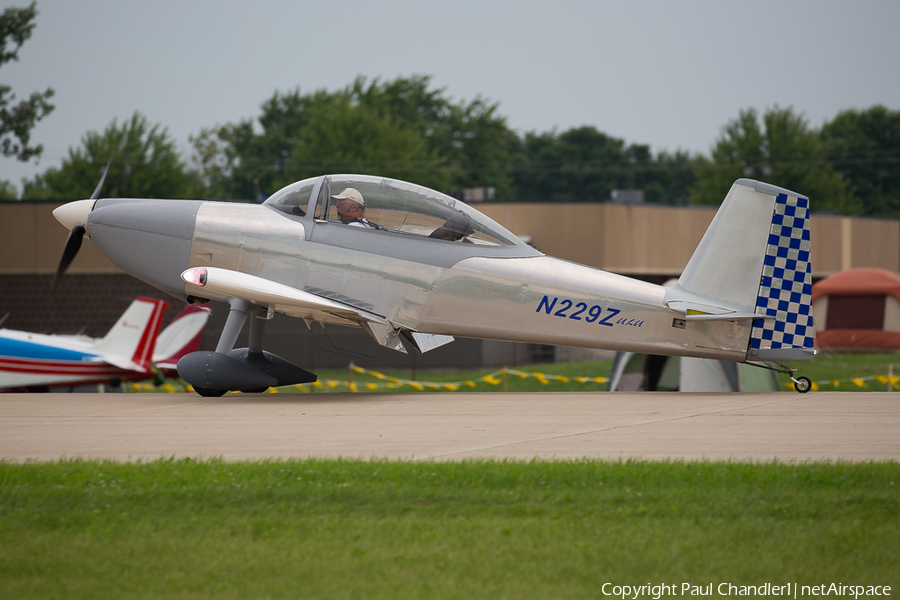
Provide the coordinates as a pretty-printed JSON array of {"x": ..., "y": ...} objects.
[{"x": 801, "y": 384}]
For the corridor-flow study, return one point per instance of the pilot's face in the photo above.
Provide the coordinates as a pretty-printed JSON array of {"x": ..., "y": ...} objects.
[{"x": 349, "y": 210}]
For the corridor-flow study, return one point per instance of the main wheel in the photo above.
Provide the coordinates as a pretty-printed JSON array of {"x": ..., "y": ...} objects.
[
  {"x": 802, "y": 384},
  {"x": 209, "y": 393}
]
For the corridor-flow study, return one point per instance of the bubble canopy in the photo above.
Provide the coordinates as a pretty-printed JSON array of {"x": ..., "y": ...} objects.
[{"x": 391, "y": 206}]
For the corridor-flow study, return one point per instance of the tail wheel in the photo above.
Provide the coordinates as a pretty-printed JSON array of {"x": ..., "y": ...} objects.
[{"x": 802, "y": 384}]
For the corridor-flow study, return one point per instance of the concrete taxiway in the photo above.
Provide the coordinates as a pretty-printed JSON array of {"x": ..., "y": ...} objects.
[{"x": 785, "y": 426}]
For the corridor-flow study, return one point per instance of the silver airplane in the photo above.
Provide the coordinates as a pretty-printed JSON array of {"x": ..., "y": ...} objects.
[{"x": 415, "y": 267}]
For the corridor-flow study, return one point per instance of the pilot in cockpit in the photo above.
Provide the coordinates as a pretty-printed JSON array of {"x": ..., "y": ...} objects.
[{"x": 351, "y": 209}]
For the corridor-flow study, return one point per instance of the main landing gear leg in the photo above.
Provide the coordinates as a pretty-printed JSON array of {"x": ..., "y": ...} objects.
[
  {"x": 254, "y": 355},
  {"x": 237, "y": 316}
]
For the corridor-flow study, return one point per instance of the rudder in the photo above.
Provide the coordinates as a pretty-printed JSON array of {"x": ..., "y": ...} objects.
[{"x": 785, "y": 290}]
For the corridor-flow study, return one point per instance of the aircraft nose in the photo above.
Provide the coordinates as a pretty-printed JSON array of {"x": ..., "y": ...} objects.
[
  {"x": 74, "y": 213},
  {"x": 151, "y": 239}
]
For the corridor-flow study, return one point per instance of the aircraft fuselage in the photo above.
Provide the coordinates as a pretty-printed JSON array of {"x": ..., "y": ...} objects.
[{"x": 511, "y": 293}]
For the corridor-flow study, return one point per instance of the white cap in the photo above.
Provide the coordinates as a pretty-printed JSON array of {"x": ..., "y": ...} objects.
[{"x": 351, "y": 194}]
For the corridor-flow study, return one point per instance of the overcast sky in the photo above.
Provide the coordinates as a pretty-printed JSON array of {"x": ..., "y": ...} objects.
[{"x": 668, "y": 74}]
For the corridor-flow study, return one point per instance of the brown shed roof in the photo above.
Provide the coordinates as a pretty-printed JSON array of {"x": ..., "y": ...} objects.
[{"x": 858, "y": 282}]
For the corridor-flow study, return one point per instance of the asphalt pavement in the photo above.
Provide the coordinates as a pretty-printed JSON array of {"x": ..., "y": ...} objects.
[{"x": 453, "y": 426}]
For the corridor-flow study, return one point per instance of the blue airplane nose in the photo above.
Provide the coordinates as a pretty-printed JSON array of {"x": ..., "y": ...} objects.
[{"x": 151, "y": 239}]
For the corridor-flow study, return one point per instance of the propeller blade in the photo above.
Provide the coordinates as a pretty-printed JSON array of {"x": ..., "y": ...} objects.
[
  {"x": 76, "y": 233},
  {"x": 73, "y": 244},
  {"x": 96, "y": 193}
]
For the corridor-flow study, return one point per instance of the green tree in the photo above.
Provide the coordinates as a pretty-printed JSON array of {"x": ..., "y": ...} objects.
[
  {"x": 781, "y": 149},
  {"x": 17, "y": 120},
  {"x": 669, "y": 179},
  {"x": 864, "y": 148},
  {"x": 307, "y": 135},
  {"x": 344, "y": 137},
  {"x": 145, "y": 164},
  {"x": 470, "y": 143},
  {"x": 578, "y": 164},
  {"x": 401, "y": 128},
  {"x": 8, "y": 190},
  {"x": 214, "y": 161}
]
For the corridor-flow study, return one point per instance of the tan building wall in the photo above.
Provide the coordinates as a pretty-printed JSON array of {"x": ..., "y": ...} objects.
[
  {"x": 628, "y": 239},
  {"x": 32, "y": 240},
  {"x": 658, "y": 240},
  {"x": 619, "y": 238},
  {"x": 839, "y": 243}
]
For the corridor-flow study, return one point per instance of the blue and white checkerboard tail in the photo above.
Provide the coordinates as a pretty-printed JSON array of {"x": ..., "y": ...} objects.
[{"x": 785, "y": 288}]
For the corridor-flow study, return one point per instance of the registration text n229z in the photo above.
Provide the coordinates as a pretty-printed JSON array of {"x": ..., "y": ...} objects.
[{"x": 582, "y": 311}]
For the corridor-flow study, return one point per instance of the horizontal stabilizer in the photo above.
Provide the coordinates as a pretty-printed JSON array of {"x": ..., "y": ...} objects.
[
  {"x": 694, "y": 311},
  {"x": 735, "y": 316}
]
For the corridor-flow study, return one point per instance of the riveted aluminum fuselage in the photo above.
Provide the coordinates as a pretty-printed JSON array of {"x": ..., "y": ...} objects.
[{"x": 509, "y": 293}]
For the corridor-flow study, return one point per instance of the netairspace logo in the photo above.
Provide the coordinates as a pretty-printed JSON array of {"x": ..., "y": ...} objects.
[{"x": 788, "y": 590}]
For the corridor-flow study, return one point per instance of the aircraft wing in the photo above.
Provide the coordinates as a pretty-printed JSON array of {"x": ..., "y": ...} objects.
[
  {"x": 218, "y": 283},
  {"x": 222, "y": 283}
]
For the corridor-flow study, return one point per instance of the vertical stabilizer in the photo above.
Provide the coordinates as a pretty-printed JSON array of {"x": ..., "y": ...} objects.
[
  {"x": 755, "y": 260},
  {"x": 131, "y": 341},
  {"x": 727, "y": 263}
]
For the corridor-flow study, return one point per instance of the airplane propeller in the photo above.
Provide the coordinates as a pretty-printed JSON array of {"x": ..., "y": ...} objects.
[
  {"x": 73, "y": 244},
  {"x": 76, "y": 234}
]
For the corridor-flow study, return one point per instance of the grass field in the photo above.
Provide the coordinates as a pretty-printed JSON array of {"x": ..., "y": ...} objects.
[{"x": 483, "y": 529}]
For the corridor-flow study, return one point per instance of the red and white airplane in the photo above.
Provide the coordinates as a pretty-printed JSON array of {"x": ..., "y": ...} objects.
[{"x": 134, "y": 349}]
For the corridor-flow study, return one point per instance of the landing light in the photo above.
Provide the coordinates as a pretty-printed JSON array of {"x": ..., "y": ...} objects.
[{"x": 195, "y": 276}]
